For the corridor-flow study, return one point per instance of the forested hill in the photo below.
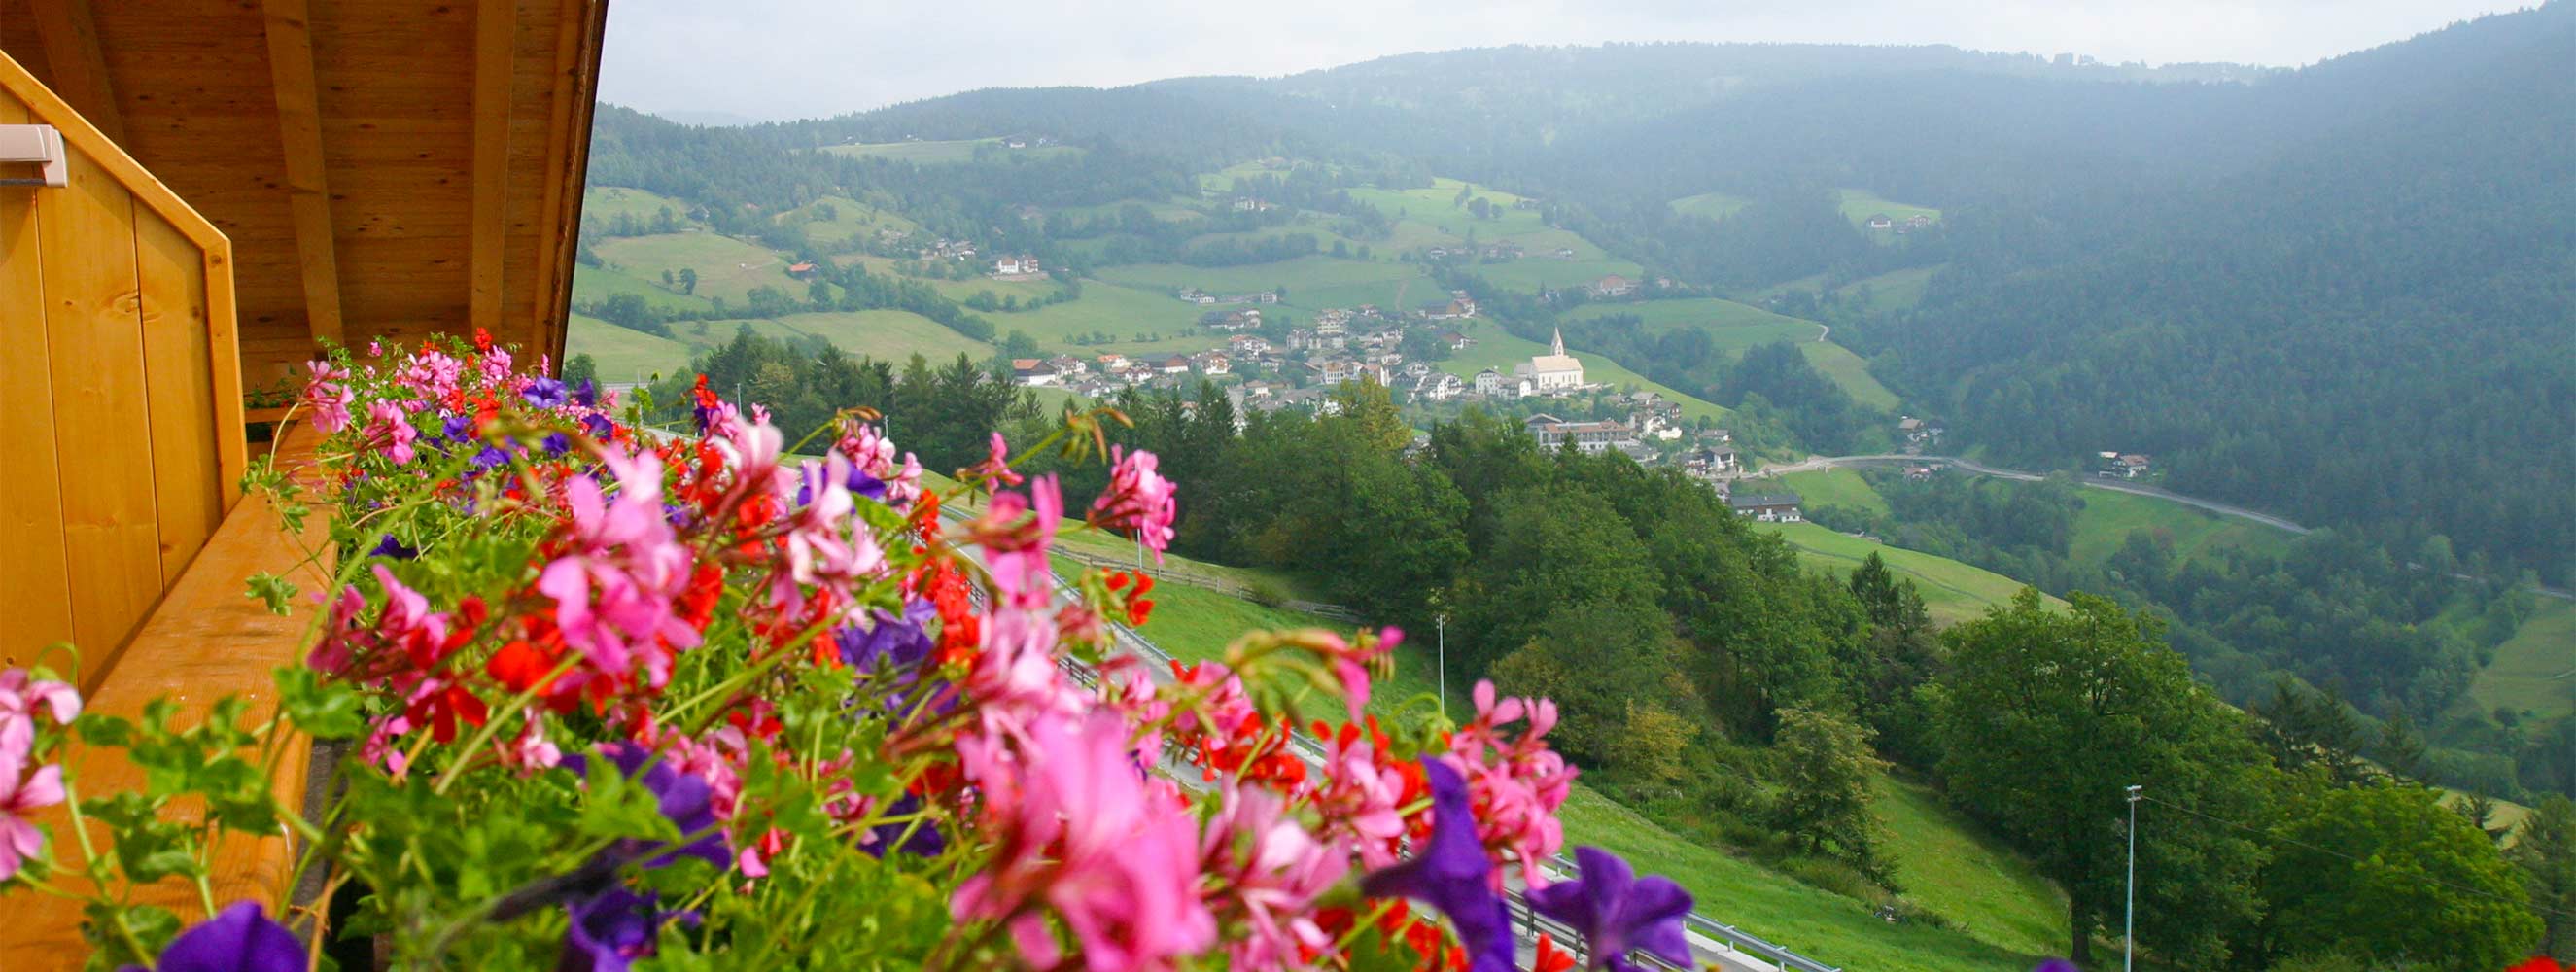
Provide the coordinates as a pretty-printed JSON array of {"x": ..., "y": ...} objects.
[{"x": 2376, "y": 325}]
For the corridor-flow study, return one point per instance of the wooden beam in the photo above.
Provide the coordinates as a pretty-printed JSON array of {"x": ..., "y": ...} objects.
[
  {"x": 308, "y": 186},
  {"x": 496, "y": 28},
  {"x": 72, "y": 52},
  {"x": 567, "y": 157}
]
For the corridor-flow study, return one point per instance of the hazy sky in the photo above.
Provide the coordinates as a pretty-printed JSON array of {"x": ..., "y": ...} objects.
[{"x": 777, "y": 59}]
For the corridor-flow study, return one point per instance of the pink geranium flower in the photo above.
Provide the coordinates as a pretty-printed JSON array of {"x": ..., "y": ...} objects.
[
  {"x": 1518, "y": 782},
  {"x": 1083, "y": 833},
  {"x": 21, "y": 794},
  {"x": 1138, "y": 499},
  {"x": 389, "y": 428},
  {"x": 328, "y": 395},
  {"x": 1269, "y": 872},
  {"x": 614, "y": 588},
  {"x": 1016, "y": 550}
]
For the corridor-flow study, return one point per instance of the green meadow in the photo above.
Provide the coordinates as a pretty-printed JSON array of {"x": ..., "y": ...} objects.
[
  {"x": 727, "y": 267},
  {"x": 1861, "y": 204},
  {"x": 1952, "y": 867},
  {"x": 1833, "y": 487},
  {"x": 1952, "y": 591},
  {"x": 1118, "y": 310},
  {"x": 2108, "y": 517},
  {"x": 1735, "y": 328},
  {"x": 849, "y": 218},
  {"x": 610, "y": 202},
  {"x": 1314, "y": 283},
  {"x": 2535, "y": 670},
  {"x": 1714, "y": 205}
]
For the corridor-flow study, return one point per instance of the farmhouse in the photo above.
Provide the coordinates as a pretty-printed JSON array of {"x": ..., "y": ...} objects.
[
  {"x": 1554, "y": 372},
  {"x": 1033, "y": 373},
  {"x": 800, "y": 271},
  {"x": 1710, "y": 462},
  {"x": 1613, "y": 285},
  {"x": 1242, "y": 320},
  {"x": 1176, "y": 365},
  {"x": 1016, "y": 266},
  {"x": 1212, "y": 363},
  {"x": 1766, "y": 507},
  {"x": 1880, "y": 221},
  {"x": 1919, "y": 431}
]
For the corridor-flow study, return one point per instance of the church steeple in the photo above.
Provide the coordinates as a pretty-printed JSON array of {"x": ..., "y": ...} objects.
[{"x": 1557, "y": 346}]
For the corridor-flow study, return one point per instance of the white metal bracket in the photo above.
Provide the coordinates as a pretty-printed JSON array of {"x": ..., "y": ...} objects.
[{"x": 38, "y": 145}]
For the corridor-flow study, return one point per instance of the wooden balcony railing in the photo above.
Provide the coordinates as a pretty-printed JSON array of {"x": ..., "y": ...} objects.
[{"x": 123, "y": 425}]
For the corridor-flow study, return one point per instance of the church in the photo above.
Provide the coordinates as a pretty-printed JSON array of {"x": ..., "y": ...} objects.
[{"x": 1553, "y": 373}]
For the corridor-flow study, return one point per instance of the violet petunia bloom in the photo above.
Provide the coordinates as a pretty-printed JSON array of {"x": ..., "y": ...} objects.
[
  {"x": 545, "y": 393},
  {"x": 1452, "y": 873},
  {"x": 893, "y": 643},
  {"x": 612, "y": 929},
  {"x": 1616, "y": 911},
  {"x": 240, "y": 938},
  {"x": 396, "y": 549},
  {"x": 687, "y": 801}
]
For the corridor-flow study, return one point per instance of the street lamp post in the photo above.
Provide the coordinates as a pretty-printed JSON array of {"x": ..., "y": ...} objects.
[
  {"x": 1441, "y": 623},
  {"x": 2129, "y": 929}
]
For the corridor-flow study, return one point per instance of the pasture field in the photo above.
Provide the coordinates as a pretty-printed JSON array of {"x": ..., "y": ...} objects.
[
  {"x": 623, "y": 355},
  {"x": 1893, "y": 290},
  {"x": 1860, "y": 204},
  {"x": 1533, "y": 274},
  {"x": 1500, "y": 349},
  {"x": 1314, "y": 282},
  {"x": 594, "y": 284},
  {"x": 1433, "y": 207},
  {"x": 2534, "y": 670},
  {"x": 1851, "y": 371},
  {"x": 1952, "y": 591},
  {"x": 1118, "y": 310},
  {"x": 850, "y": 218},
  {"x": 1714, "y": 205},
  {"x": 727, "y": 267},
  {"x": 961, "y": 290},
  {"x": 1733, "y": 327},
  {"x": 1174, "y": 210},
  {"x": 939, "y": 152},
  {"x": 1950, "y": 865},
  {"x": 1832, "y": 487},
  {"x": 2104, "y": 524},
  {"x": 613, "y": 201}
]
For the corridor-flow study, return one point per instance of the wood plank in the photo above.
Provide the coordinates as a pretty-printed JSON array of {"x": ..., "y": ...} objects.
[
  {"x": 206, "y": 641},
  {"x": 94, "y": 323},
  {"x": 80, "y": 68},
  {"x": 81, "y": 134},
  {"x": 554, "y": 229},
  {"x": 495, "y": 30},
  {"x": 552, "y": 321},
  {"x": 299, "y": 122},
  {"x": 224, "y": 364},
  {"x": 178, "y": 370},
  {"x": 35, "y": 579}
]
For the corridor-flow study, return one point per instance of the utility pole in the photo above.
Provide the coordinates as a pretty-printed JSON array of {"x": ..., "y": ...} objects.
[
  {"x": 1441, "y": 623},
  {"x": 2129, "y": 931}
]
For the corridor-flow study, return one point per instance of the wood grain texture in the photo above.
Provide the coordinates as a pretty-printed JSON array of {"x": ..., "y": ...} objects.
[
  {"x": 94, "y": 326},
  {"x": 178, "y": 373},
  {"x": 308, "y": 186},
  {"x": 495, "y": 32},
  {"x": 35, "y": 580},
  {"x": 206, "y": 641},
  {"x": 80, "y": 134},
  {"x": 72, "y": 51}
]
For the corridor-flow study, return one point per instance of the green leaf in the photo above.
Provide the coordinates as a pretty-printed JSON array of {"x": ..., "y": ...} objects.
[
  {"x": 331, "y": 710},
  {"x": 274, "y": 591}
]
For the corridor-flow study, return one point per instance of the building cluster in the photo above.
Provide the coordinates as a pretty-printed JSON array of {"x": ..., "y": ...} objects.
[
  {"x": 1882, "y": 221},
  {"x": 1017, "y": 267},
  {"x": 2122, "y": 465},
  {"x": 1193, "y": 295}
]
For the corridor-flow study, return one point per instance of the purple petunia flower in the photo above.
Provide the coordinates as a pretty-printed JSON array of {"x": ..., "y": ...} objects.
[
  {"x": 555, "y": 444},
  {"x": 587, "y": 396},
  {"x": 239, "y": 938},
  {"x": 897, "y": 642},
  {"x": 612, "y": 929},
  {"x": 599, "y": 427},
  {"x": 545, "y": 393},
  {"x": 686, "y": 802},
  {"x": 1616, "y": 911},
  {"x": 492, "y": 457},
  {"x": 457, "y": 428},
  {"x": 1451, "y": 873},
  {"x": 926, "y": 840},
  {"x": 396, "y": 549}
]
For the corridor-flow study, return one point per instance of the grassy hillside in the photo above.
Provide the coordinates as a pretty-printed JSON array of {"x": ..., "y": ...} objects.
[
  {"x": 1832, "y": 487},
  {"x": 1861, "y": 204},
  {"x": 1500, "y": 349},
  {"x": 727, "y": 267},
  {"x": 594, "y": 284},
  {"x": 1122, "y": 312},
  {"x": 1714, "y": 205},
  {"x": 609, "y": 202},
  {"x": 2108, "y": 517},
  {"x": 1893, "y": 290},
  {"x": 1314, "y": 283},
  {"x": 1851, "y": 371},
  {"x": 1734, "y": 328},
  {"x": 849, "y": 218},
  {"x": 887, "y": 335},
  {"x": 624, "y": 355},
  {"x": 2535, "y": 670},
  {"x": 1950, "y": 866},
  {"x": 1952, "y": 591}
]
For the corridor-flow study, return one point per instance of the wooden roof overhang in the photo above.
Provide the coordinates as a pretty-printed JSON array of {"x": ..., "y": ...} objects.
[{"x": 382, "y": 168}]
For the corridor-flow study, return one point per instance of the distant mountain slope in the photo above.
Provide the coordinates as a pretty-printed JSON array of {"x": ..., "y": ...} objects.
[{"x": 2374, "y": 326}]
